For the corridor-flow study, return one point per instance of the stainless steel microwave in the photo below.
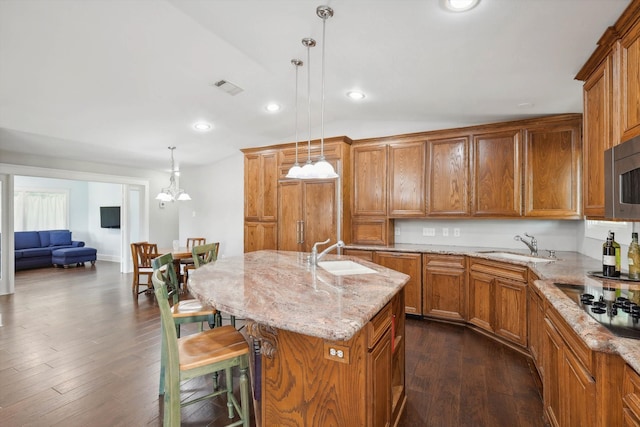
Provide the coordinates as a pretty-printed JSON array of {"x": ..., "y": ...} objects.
[{"x": 622, "y": 180}]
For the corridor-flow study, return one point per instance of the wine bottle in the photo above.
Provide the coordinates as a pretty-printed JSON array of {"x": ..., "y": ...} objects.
[
  {"x": 634, "y": 258},
  {"x": 616, "y": 248},
  {"x": 608, "y": 258}
]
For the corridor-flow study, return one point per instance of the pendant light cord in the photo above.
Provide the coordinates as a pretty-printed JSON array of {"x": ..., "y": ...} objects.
[{"x": 324, "y": 22}]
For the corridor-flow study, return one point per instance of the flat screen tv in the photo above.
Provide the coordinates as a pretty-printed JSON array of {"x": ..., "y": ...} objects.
[{"x": 109, "y": 216}]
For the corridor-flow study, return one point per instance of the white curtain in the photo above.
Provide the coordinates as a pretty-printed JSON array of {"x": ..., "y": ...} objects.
[{"x": 40, "y": 210}]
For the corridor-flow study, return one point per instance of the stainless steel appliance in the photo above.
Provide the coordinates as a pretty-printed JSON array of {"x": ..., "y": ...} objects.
[
  {"x": 622, "y": 180},
  {"x": 616, "y": 308}
]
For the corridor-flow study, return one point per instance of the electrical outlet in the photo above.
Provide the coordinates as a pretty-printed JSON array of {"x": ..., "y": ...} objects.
[
  {"x": 428, "y": 231},
  {"x": 397, "y": 231},
  {"x": 445, "y": 231},
  {"x": 456, "y": 232}
]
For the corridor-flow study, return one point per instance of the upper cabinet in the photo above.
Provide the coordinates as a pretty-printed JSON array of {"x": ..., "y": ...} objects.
[
  {"x": 552, "y": 169},
  {"x": 496, "y": 174},
  {"x": 407, "y": 177},
  {"x": 260, "y": 185},
  {"x": 370, "y": 179},
  {"x": 630, "y": 83},
  {"x": 448, "y": 184}
]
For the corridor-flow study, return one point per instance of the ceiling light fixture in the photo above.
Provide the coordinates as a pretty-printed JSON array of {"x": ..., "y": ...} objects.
[
  {"x": 272, "y": 108},
  {"x": 460, "y": 5},
  {"x": 202, "y": 126},
  {"x": 172, "y": 192},
  {"x": 296, "y": 170},
  {"x": 323, "y": 169},
  {"x": 307, "y": 169},
  {"x": 355, "y": 95}
]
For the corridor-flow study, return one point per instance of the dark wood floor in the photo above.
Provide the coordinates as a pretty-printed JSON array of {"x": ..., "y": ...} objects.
[{"x": 76, "y": 349}]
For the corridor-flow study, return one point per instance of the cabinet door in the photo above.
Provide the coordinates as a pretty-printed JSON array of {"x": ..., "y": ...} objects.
[
  {"x": 407, "y": 263},
  {"x": 290, "y": 216},
  {"x": 370, "y": 180},
  {"x": 444, "y": 287},
  {"x": 320, "y": 212},
  {"x": 379, "y": 362},
  {"x": 510, "y": 320},
  {"x": 553, "y": 360},
  {"x": 407, "y": 179},
  {"x": 552, "y": 156},
  {"x": 259, "y": 236},
  {"x": 597, "y": 137},
  {"x": 448, "y": 166},
  {"x": 630, "y": 84},
  {"x": 260, "y": 186},
  {"x": 481, "y": 300},
  {"x": 535, "y": 312},
  {"x": 578, "y": 393},
  {"x": 496, "y": 174}
]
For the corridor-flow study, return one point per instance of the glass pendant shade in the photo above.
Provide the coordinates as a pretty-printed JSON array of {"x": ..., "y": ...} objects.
[
  {"x": 172, "y": 192},
  {"x": 324, "y": 170}
]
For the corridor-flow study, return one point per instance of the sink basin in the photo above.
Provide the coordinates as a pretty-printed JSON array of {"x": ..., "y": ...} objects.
[
  {"x": 345, "y": 268},
  {"x": 518, "y": 257}
]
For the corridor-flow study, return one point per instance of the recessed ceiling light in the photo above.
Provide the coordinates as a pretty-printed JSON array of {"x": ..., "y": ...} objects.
[
  {"x": 355, "y": 95},
  {"x": 272, "y": 108},
  {"x": 202, "y": 126},
  {"x": 460, "y": 5}
]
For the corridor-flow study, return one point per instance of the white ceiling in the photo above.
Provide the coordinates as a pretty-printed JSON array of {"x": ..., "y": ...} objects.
[{"x": 120, "y": 81}]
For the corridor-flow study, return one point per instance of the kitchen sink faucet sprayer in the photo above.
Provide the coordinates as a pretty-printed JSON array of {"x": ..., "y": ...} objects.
[
  {"x": 533, "y": 246},
  {"x": 315, "y": 257}
]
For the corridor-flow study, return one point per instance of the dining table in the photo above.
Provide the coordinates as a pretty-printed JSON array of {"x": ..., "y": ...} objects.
[{"x": 178, "y": 253}]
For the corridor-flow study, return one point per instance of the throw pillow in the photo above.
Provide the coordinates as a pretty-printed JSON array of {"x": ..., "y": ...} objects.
[{"x": 60, "y": 238}]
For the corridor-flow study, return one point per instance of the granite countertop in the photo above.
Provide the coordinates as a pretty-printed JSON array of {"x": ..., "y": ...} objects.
[
  {"x": 280, "y": 289},
  {"x": 571, "y": 268}
]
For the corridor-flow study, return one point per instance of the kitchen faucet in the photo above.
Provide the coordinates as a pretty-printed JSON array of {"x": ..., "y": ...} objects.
[
  {"x": 315, "y": 257},
  {"x": 533, "y": 246}
]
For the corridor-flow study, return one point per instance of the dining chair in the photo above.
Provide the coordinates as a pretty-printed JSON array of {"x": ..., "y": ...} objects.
[
  {"x": 142, "y": 253},
  {"x": 185, "y": 311},
  {"x": 205, "y": 254},
  {"x": 187, "y": 262},
  {"x": 203, "y": 353}
]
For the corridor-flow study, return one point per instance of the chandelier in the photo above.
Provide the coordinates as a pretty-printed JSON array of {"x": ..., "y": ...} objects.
[{"x": 172, "y": 192}]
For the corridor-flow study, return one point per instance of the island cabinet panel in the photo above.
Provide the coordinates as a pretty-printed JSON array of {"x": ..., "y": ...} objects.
[
  {"x": 445, "y": 287},
  {"x": 447, "y": 184},
  {"x": 310, "y": 386},
  {"x": 307, "y": 213},
  {"x": 498, "y": 299},
  {"x": 631, "y": 397},
  {"x": 630, "y": 83},
  {"x": 552, "y": 170},
  {"x": 597, "y": 136},
  {"x": 410, "y": 264},
  {"x": 407, "y": 179},
  {"x": 496, "y": 174},
  {"x": 260, "y": 235},
  {"x": 569, "y": 387}
]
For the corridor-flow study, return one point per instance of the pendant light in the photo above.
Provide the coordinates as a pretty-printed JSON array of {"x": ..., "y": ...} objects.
[
  {"x": 296, "y": 170},
  {"x": 172, "y": 192},
  {"x": 308, "y": 171},
  {"x": 322, "y": 168}
]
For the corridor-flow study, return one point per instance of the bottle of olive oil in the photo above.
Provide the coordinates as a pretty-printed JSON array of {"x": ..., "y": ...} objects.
[{"x": 634, "y": 258}]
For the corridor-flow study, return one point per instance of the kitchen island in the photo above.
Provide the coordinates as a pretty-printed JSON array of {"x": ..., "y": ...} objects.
[{"x": 332, "y": 344}]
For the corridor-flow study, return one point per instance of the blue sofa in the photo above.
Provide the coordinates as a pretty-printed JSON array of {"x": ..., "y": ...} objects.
[{"x": 34, "y": 249}]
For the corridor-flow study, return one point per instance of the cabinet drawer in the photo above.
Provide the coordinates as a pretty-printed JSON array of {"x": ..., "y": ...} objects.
[
  {"x": 359, "y": 253},
  {"x": 500, "y": 269},
  {"x": 445, "y": 261},
  {"x": 377, "y": 327},
  {"x": 574, "y": 343}
]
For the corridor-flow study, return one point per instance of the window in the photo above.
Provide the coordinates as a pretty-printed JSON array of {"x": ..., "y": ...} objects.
[{"x": 41, "y": 209}]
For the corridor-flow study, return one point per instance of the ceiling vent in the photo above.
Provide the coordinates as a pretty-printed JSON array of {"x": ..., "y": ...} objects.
[{"x": 228, "y": 87}]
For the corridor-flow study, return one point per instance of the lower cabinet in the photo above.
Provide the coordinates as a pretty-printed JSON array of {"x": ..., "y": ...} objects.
[
  {"x": 535, "y": 320},
  {"x": 569, "y": 388},
  {"x": 407, "y": 263},
  {"x": 498, "y": 299},
  {"x": 444, "y": 287},
  {"x": 631, "y": 397},
  {"x": 260, "y": 235}
]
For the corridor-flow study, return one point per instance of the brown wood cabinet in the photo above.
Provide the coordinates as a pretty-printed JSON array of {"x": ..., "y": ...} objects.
[
  {"x": 552, "y": 159},
  {"x": 407, "y": 179},
  {"x": 370, "y": 180},
  {"x": 444, "y": 285},
  {"x": 260, "y": 235},
  {"x": 569, "y": 387},
  {"x": 448, "y": 179},
  {"x": 498, "y": 299},
  {"x": 260, "y": 201},
  {"x": 630, "y": 83},
  {"x": 496, "y": 174},
  {"x": 307, "y": 213},
  {"x": 631, "y": 397},
  {"x": 410, "y": 264},
  {"x": 535, "y": 321}
]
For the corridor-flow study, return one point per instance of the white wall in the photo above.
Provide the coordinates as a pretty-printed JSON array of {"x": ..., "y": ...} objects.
[
  {"x": 216, "y": 210},
  {"x": 105, "y": 240}
]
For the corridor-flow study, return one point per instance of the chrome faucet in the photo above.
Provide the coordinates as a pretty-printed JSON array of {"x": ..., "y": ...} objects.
[
  {"x": 315, "y": 257},
  {"x": 533, "y": 246}
]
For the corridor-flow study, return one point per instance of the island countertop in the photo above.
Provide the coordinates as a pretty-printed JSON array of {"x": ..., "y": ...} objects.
[{"x": 280, "y": 289}]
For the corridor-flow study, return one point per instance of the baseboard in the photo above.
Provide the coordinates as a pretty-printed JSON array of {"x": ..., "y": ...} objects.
[{"x": 108, "y": 258}]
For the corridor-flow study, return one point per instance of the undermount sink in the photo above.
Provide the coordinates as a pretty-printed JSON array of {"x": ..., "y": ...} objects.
[
  {"x": 345, "y": 268},
  {"x": 518, "y": 257}
]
